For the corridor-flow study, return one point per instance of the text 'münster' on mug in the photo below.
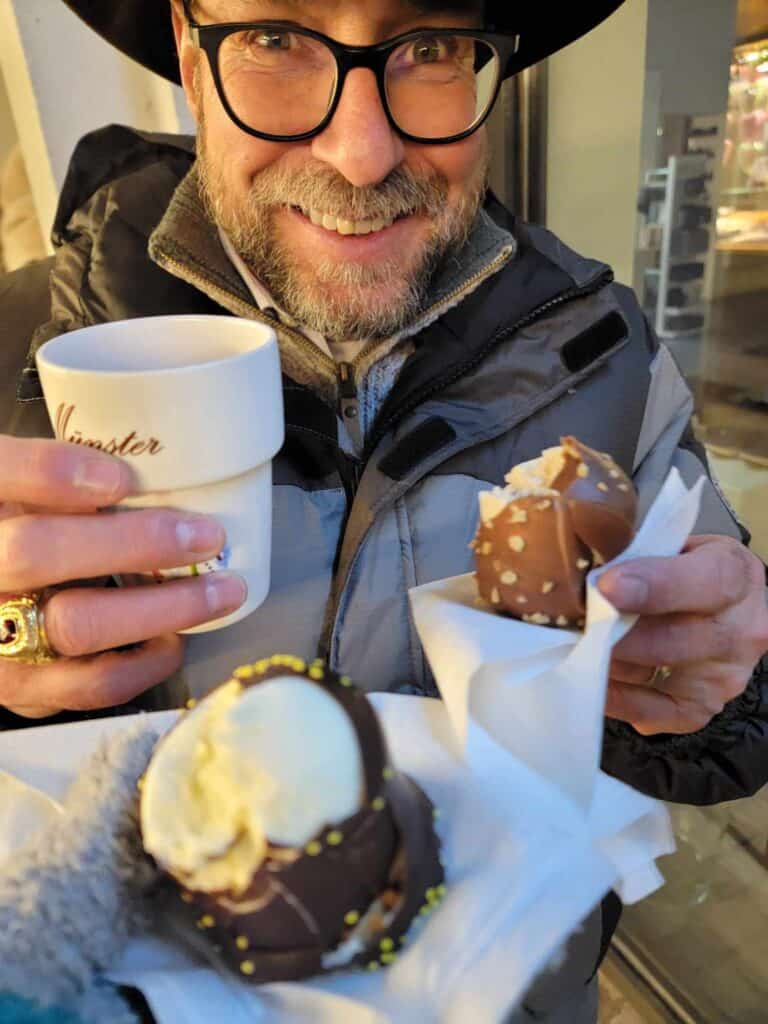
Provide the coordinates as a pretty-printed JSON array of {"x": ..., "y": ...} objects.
[{"x": 194, "y": 405}]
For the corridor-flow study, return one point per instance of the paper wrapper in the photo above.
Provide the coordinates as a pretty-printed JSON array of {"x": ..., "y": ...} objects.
[{"x": 539, "y": 693}]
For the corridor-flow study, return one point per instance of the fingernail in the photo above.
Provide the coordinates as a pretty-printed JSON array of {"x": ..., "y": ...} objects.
[
  {"x": 104, "y": 476},
  {"x": 624, "y": 591},
  {"x": 225, "y": 592},
  {"x": 199, "y": 535}
]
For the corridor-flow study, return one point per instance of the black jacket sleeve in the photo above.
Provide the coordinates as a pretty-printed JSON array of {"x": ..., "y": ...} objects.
[
  {"x": 25, "y": 304},
  {"x": 724, "y": 761}
]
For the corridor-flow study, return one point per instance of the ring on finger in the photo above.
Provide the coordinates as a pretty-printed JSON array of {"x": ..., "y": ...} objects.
[
  {"x": 660, "y": 675},
  {"x": 22, "y": 631}
]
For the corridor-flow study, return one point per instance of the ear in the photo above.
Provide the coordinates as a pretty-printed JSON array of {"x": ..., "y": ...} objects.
[{"x": 189, "y": 56}]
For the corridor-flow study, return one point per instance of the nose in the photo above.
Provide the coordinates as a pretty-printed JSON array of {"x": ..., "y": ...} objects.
[{"x": 359, "y": 142}]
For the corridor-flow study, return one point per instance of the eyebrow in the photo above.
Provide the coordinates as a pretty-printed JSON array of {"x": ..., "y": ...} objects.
[{"x": 419, "y": 6}]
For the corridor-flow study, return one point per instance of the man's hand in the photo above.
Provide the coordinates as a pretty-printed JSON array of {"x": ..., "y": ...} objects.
[
  {"x": 703, "y": 614},
  {"x": 52, "y": 532}
]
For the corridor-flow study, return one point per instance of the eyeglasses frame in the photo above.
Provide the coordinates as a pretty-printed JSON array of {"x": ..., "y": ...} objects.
[{"x": 209, "y": 39}]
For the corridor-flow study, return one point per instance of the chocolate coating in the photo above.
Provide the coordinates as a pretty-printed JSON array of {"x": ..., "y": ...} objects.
[
  {"x": 602, "y": 504},
  {"x": 532, "y": 559},
  {"x": 302, "y": 903}
]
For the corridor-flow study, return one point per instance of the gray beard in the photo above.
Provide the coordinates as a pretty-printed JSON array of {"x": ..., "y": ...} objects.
[{"x": 386, "y": 298}]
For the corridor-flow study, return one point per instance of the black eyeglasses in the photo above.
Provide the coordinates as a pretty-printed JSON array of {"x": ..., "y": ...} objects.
[{"x": 283, "y": 83}]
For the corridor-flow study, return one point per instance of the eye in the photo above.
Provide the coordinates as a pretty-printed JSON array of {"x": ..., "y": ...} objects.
[
  {"x": 429, "y": 50},
  {"x": 271, "y": 40}
]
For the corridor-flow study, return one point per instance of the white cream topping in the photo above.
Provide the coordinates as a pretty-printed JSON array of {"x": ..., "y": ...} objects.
[{"x": 276, "y": 763}]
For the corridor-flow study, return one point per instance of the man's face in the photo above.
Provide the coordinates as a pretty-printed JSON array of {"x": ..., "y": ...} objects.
[{"x": 353, "y": 176}]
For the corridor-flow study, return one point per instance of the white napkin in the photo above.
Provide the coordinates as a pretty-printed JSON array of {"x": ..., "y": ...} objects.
[
  {"x": 523, "y": 870},
  {"x": 540, "y": 694},
  {"x": 24, "y": 810}
]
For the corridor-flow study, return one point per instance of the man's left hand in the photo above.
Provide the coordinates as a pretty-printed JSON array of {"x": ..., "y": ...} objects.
[{"x": 703, "y": 615}]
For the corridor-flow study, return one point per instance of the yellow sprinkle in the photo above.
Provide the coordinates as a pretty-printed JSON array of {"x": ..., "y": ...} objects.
[
  {"x": 582, "y": 563},
  {"x": 313, "y": 848},
  {"x": 441, "y": 889},
  {"x": 426, "y": 909},
  {"x": 519, "y": 515},
  {"x": 388, "y": 773},
  {"x": 191, "y": 703},
  {"x": 387, "y": 945},
  {"x": 522, "y": 599},
  {"x": 540, "y": 620},
  {"x": 140, "y": 784},
  {"x": 316, "y": 673},
  {"x": 241, "y": 942},
  {"x": 516, "y": 543},
  {"x": 509, "y": 578},
  {"x": 614, "y": 473},
  {"x": 561, "y": 620},
  {"x": 431, "y": 895},
  {"x": 244, "y": 672},
  {"x": 374, "y": 965},
  {"x": 335, "y": 838},
  {"x": 247, "y": 967},
  {"x": 583, "y": 470},
  {"x": 623, "y": 487},
  {"x": 388, "y": 958},
  {"x": 207, "y": 921},
  {"x": 186, "y": 897},
  {"x": 602, "y": 487},
  {"x": 345, "y": 681},
  {"x": 544, "y": 505},
  {"x": 495, "y": 598},
  {"x": 436, "y": 813},
  {"x": 351, "y": 918},
  {"x": 486, "y": 548},
  {"x": 378, "y": 803},
  {"x": 299, "y": 665},
  {"x": 548, "y": 587}
]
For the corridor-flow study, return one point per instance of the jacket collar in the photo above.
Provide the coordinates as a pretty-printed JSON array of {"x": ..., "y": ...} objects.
[{"x": 187, "y": 244}]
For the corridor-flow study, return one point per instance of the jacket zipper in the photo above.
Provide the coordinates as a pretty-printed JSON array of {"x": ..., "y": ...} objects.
[{"x": 349, "y": 405}]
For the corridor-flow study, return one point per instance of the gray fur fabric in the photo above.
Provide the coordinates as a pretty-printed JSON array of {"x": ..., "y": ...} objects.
[{"x": 72, "y": 897}]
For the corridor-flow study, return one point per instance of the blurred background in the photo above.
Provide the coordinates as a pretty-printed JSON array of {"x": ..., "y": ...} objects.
[{"x": 645, "y": 145}]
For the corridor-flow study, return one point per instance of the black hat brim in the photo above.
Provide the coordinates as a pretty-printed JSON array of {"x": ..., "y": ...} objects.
[{"x": 142, "y": 30}]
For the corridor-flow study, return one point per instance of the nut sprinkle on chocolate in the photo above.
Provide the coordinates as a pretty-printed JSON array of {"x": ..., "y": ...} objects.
[{"x": 559, "y": 516}]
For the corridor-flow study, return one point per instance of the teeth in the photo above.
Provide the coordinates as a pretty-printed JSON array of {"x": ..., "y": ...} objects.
[{"x": 347, "y": 227}]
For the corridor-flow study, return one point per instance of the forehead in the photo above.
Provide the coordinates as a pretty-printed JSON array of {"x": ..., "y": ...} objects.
[{"x": 236, "y": 10}]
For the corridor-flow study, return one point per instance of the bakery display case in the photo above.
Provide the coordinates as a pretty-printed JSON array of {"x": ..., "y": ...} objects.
[{"x": 742, "y": 222}]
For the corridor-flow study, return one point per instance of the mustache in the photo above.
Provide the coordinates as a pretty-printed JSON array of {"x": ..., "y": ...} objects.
[{"x": 322, "y": 188}]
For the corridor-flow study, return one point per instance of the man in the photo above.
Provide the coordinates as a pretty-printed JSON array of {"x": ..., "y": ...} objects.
[{"x": 429, "y": 341}]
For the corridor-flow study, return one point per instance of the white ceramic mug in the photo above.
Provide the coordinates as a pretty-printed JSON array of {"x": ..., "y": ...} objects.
[{"x": 194, "y": 405}]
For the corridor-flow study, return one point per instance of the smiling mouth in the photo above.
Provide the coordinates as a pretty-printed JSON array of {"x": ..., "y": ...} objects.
[{"x": 342, "y": 226}]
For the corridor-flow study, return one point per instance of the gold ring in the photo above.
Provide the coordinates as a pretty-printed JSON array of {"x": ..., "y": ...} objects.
[
  {"x": 660, "y": 675},
  {"x": 22, "y": 631}
]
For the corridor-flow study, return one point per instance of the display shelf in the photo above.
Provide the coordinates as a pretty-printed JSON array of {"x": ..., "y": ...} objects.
[{"x": 669, "y": 197}]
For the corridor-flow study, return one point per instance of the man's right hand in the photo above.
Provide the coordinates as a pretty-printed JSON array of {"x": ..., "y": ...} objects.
[{"x": 52, "y": 532}]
